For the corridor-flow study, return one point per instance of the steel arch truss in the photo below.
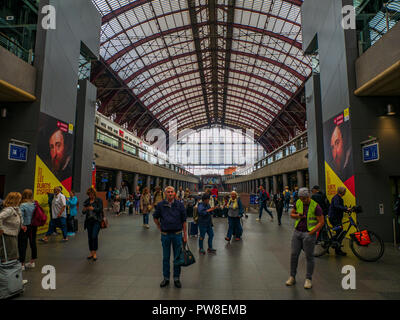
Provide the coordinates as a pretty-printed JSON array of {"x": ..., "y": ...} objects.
[{"x": 234, "y": 63}]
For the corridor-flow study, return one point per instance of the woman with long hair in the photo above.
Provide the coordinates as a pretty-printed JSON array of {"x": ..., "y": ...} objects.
[
  {"x": 27, "y": 231},
  {"x": 93, "y": 209},
  {"x": 145, "y": 206}
]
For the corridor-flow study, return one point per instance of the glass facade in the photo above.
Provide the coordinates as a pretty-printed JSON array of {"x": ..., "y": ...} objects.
[{"x": 210, "y": 151}]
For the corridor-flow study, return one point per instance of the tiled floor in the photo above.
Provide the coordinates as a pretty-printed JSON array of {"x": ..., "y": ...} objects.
[{"x": 129, "y": 267}]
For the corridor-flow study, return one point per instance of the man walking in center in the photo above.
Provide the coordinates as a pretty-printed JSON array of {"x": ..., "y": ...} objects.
[
  {"x": 170, "y": 218},
  {"x": 263, "y": 198}
]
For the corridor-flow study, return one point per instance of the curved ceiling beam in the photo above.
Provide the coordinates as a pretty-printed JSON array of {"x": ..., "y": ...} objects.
[
  {"x": 141, "y": 94},
  {"x": 132, "y": 5},
  {"x": 122, "y": 52},
  {"x": 173, "y": 109},
  {"x": 276, "y": 104},
  {"x": 189, "y": 41},
  {"x": 260, "y": 126},
  {"x": 163, "y": 61}
]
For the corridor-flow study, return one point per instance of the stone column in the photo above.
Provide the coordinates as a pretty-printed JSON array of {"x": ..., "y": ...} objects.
[
  {"x": 275, "y": 184},
  {"x": 118, "y": 179},
  {"x": 267, "y": 186},
  {"x": 157, "y": 181},
  {"x": 285, "y": 180},
  {"x": 135, "y": 181},
  {"x": 300, "y": 179},
  {"x": 148, "y": 182}
]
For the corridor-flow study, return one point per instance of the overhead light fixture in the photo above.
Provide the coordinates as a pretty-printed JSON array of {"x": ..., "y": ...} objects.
[
  {"x": 390, "y": 110},
  {"x": 3, "y": 112}
]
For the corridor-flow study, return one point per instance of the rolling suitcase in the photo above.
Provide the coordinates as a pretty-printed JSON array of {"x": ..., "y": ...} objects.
[{"x": 10, "y": 276}]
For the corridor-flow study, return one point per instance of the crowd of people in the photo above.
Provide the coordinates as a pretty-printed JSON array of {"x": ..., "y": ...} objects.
[
  {"x": 170, "y": 210},
  {"x": 19, "y": 223}
]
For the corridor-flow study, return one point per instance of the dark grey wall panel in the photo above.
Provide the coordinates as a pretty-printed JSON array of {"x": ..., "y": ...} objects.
[
  {"x": 77, "y": 21},
  {"x": 84, "y": 131},
  {"x": 338, "y": 53},
  {"x": 314, "y": 132}
]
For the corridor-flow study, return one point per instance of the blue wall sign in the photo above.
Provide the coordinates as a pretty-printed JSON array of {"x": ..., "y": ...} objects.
[
  {"x": 371, "y": 152},
  {"x": 17, "y": 152}
]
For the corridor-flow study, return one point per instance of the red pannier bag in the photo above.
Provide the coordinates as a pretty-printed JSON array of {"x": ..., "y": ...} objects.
[{"x": 362, "y": 237}]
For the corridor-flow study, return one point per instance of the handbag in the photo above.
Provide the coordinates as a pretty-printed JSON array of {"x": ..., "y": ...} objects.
[
  {"x": 104, "y": 223},
  {"x": 186, "y": 257}
]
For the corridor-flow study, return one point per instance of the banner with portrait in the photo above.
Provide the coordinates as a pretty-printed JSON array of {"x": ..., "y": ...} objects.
[
  {"x": 339, "y": 170},
  {"x": 53, "y": 161}
]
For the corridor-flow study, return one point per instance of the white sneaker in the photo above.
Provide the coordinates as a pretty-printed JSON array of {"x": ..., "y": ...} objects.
[
  {"x": 291, "y": 281},
  {"x": 23, "y": 267},
  {"x": 307, "y": 284},
  {"x": 24, "y": 282},
  {"x": 258, "y": 219},
  {"x": 30, "y": 265},
  {"x": 147, "y": 226}
]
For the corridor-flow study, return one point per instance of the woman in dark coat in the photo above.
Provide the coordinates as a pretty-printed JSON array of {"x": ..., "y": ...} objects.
[{"x": 93, "y": 209}]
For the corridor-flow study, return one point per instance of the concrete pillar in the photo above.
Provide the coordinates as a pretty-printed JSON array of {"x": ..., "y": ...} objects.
[
  {"x": 285, "y": 180},
  {"x": 118, "y": 179},
  {"x": 135, "y": 181},
  {"x": 300, "y": 179},
  {"x": 261, "y": 182},
  {"x": 148, "y": 182},
  {"x": 157, "y": 181},
  {"x": 267, "y": 186},
  {"x": 314, "y": 131},
  {"x": 84, "y": 136},
  {"x": 275, "y": 184}
]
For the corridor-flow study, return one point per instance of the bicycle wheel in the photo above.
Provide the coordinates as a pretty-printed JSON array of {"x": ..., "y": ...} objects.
[
  {"x": 322, "y": 244},
  {"x": 371, "y": 252}
]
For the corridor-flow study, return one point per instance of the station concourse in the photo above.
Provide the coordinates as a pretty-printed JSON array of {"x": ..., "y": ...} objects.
[{"x": 127, "y": 96}]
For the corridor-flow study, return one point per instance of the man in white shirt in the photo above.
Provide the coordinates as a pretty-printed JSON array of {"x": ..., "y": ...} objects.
[{"x": 59, "y": 215}]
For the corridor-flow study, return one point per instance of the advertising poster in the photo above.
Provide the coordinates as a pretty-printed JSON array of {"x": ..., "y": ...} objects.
[
  {"x": 338, "y": 147},
  {"x": 53, "y": 161}
]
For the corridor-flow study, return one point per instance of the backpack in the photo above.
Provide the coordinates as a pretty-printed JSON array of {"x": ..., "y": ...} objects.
[
  {"x": 39, "y": 218},
  {"x": 396, "y": 207},
  {"x": 287, "y": 196}
]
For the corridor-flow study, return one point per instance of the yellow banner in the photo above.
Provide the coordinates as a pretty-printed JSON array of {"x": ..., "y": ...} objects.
[
  {"x": 45, "y": 181},
  {"x": 332, "y": 183}
]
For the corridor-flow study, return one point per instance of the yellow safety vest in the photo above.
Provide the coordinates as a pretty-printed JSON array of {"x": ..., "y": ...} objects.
[{"x": 311, "y": 218}]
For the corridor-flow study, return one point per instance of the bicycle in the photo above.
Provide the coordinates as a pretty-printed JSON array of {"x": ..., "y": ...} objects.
[{"x": 365, "y": 244}]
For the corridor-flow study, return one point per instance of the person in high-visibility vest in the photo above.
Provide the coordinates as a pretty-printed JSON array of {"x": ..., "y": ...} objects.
[{"x": 309, "y": 220}]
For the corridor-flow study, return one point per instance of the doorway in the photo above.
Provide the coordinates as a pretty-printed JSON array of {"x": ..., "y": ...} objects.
[{"x": 2, "y": 186}]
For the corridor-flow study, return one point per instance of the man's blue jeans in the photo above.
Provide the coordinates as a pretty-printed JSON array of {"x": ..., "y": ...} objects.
[
  {"x": 203, "y": 230},
  {"x": 174, "y": 239},
  {"x": 286, "y": 204},
  {"x": 145, "y": 218},
  {"x": 263, "y": 205},
  {"x": 58, "y": 222},
  {"x": 234, "y": 227}
]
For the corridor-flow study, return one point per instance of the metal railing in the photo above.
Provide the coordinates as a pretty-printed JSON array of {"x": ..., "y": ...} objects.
[
  {"x": 374, "y": 19},
  {"x": 14, "y": 47},
  {"x": 114, "y": 141},
  {"x": 295, "y": 145}
]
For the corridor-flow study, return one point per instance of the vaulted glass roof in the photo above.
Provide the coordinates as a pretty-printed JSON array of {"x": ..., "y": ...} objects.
[{"x": 236, "y": 63}]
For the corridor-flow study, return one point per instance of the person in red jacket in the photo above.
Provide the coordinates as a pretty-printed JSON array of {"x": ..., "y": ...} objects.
[{"x": 214, "y": 191}]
